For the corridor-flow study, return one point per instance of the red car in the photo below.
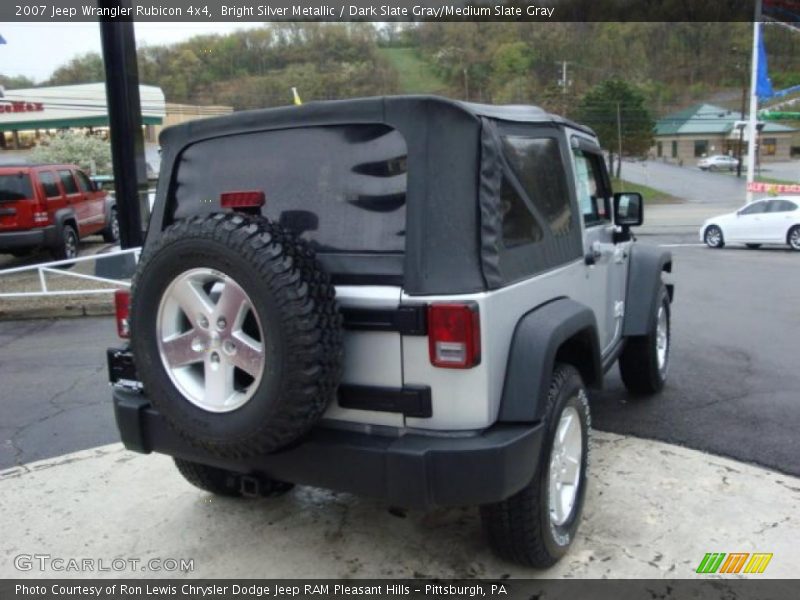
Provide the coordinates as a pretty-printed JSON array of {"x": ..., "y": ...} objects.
[{"x": 53, "y": 207}]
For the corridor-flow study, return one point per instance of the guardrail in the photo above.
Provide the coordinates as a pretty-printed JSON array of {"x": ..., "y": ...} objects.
[{"x": 42, "y": 269}]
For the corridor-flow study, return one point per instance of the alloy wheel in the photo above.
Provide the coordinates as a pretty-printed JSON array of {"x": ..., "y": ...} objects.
[
  {"x": 565, "y": 466},
  {"x": 210, "y": 340}
]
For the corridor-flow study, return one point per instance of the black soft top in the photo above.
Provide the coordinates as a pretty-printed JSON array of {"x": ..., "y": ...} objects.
[{"x": 452, "y": 197}]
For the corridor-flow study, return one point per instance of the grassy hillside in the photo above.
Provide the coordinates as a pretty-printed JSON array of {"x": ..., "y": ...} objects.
[{"x": 414, "y": 75}]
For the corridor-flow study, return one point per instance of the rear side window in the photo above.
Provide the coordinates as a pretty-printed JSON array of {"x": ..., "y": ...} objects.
[
  {"x": 781, "y": 206},
  {"x": 540, "y": 229},
  {"x": 342, "y": 188},
  {"x": 49, "y": 184},
  {"x": 519, "y": 225},
  {"x": 67, "y": 182},
  {"x": 15, "y": 187},
  {"x": 538, "y": 165}
]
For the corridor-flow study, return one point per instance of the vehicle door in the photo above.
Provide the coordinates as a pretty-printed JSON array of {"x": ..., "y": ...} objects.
[
  {"x": 746, "y": 225},
  {"x": 76, "y": 200},
  {"x": 51, "y": 190},
  {"x": 94, "y": 200},
  {"x": 777, "y": 219},
  {"x": 607, "y": 261}
]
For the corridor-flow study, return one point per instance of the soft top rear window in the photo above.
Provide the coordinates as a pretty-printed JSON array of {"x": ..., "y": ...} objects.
[
  {"x": 15, "y": 187},
  {"x": 342, "y": 188}
]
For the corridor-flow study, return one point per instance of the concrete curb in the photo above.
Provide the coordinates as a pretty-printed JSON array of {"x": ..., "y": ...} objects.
[{"x": 653, "y": 511}]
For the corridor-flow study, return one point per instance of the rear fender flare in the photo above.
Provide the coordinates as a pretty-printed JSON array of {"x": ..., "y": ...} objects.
[
  {"x": 539, "y": 338},
  {"x": 60, "y": 217}
]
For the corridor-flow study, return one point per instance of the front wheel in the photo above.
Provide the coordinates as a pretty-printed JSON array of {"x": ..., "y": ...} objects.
[
  {"x": 713, "y": 237},
  {"x": 111, "y": 232},
  {"x": 644, "y": 361},
  {"x": 536, "y": 526}
]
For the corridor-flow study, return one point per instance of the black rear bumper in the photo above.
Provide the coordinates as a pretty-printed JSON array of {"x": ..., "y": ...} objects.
[
  {"x": 413, "y": 470},
  {"x": 29, "y": 238}
]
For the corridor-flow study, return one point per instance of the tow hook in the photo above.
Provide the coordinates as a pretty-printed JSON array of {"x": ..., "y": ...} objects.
[{"x": 249, "y": 486}]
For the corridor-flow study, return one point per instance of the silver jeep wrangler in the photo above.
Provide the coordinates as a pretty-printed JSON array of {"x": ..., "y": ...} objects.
[{"x": 402, "y": 297}]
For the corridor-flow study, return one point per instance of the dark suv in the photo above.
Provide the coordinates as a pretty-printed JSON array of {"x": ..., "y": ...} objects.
[{"x": 53, "y": 207}]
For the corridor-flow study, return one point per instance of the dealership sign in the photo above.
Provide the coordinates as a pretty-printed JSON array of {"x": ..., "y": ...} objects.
[
  {"x": 19, "y": 106},
  {"x": 773, "y": 188}
]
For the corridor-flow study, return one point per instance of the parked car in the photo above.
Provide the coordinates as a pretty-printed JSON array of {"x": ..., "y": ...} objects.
[
  {"x": 402, "y": 297},
  {"x": 719, "y": 162},
  {"x": 53, "y": 207},
  {"x": 768, "y": 221}
]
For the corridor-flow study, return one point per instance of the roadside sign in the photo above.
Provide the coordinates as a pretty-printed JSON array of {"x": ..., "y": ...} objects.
[{"x": 773, "y": 188}]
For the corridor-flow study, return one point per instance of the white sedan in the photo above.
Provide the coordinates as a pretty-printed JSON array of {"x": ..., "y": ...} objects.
[
  {"x": 718, "y": 162},
  {"x": 768, "y": 221}
]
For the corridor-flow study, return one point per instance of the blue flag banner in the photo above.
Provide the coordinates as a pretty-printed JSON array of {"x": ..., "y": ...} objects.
[
  {"x": 2, "y": 40},
  {"x": 763, "y": 83}
]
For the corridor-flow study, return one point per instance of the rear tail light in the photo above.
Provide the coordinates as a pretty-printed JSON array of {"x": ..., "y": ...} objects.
[
  {"x": 454, "y": 335},
  {"x": 242, "y": 199},
  {"x": 122, "y": 306},
  {"x": 41, "y": 217}
]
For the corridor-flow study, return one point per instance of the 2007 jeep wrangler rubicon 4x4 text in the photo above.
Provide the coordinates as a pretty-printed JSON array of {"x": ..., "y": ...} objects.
[{"x": 401, "y": 297}]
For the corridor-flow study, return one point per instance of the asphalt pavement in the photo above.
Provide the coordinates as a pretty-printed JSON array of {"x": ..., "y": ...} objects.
[
  {"x": 695, "y": 186},
  {"x": 732, "y": 390},
  {"x": 734, "y": 385}
]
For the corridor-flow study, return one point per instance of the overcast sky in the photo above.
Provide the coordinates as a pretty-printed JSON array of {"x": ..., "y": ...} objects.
[{"x": 36, "y": 49}]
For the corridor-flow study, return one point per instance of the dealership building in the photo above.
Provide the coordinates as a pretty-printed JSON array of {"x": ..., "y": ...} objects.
[
  {"x": 26, "y": 115},
  {"x": 704, "y": 129}
]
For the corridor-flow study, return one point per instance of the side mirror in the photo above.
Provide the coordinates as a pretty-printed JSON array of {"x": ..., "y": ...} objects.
[{"x": 628, "y": 209}]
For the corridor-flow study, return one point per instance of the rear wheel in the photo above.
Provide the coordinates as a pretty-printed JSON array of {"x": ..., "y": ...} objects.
[
  {"x": 644, "y": 361},
  {"x": 68, "y": 246},
  {"x": 794, "y": 238},
  {"x": 536, "y": 526},
  {"x": 713, "y": 237},
  {"x": 228, "y": 483}
]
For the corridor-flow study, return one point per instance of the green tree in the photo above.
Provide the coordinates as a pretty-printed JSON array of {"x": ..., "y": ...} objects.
[
  {"x": 15, "y": 82},
  {"x": 87, "y": 68},
  {"x": 615, "y": 108},
  {"x": 87, "y": 151}
]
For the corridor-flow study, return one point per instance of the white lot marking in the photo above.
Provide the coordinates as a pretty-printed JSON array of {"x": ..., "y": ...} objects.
[{"x": 679, "y": 245}]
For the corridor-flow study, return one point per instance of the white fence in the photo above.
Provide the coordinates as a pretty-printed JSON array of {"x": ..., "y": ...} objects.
[{"x": 43, "y": 269}]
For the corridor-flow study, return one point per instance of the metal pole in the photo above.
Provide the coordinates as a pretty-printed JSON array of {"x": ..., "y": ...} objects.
[
  {"x": 125, "y": 122},
  {"x": 751, "y": 126},
  {"x": 741, "y": 135},
  {"x": 619, "y": 142}
]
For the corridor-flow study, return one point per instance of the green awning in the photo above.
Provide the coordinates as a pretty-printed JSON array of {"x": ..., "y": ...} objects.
[{"x": 98, "y": 121}]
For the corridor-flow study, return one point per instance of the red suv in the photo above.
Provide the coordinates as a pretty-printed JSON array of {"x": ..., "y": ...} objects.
[{"x": 52, "y": 206}]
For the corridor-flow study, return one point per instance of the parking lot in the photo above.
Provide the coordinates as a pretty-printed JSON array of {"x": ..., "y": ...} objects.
[
  {"x": 653, "y": 508},
  {"x": 732, "y": 388}
]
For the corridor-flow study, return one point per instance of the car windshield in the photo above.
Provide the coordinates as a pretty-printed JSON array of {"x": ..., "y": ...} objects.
[{"x": 15, "y": 187}]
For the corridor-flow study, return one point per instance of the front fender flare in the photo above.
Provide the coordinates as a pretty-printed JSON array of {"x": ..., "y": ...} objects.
[{"x": 647, "y": 263}]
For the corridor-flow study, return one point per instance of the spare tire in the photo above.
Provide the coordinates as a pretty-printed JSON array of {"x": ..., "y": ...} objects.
[{"x": 236, "y": 333}]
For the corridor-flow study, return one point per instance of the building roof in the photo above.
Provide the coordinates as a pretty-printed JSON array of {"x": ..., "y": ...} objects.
[
  {"x": 82, "y": 105},
  {"x": 707, "y": 119}
]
